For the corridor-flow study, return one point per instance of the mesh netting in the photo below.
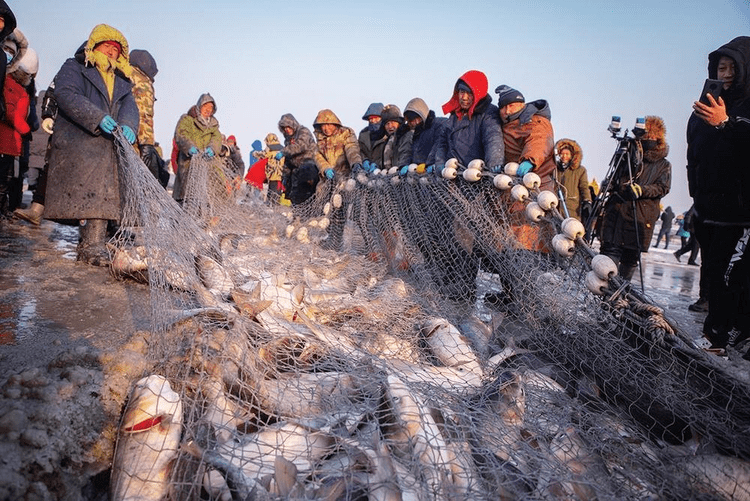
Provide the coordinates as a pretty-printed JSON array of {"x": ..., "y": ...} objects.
[{"x": 409, "y": 337}]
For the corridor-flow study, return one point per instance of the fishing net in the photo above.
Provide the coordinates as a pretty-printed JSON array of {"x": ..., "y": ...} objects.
[{"x": 409, "y": 337}]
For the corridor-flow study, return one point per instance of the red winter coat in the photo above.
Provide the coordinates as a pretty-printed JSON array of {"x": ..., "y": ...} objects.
[
  {"x": 17, "y": 109},
  {"x": 256, "y": 174}
]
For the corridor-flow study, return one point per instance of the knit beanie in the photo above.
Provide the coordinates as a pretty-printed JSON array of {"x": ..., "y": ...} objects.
[{"x": 507, "y": 95}]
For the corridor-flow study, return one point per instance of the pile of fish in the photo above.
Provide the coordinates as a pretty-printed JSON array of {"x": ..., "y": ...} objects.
[{"x": 283, "y": 371}]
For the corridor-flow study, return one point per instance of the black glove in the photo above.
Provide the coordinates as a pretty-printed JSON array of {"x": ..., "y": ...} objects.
[{"x": 585, "y": 210}]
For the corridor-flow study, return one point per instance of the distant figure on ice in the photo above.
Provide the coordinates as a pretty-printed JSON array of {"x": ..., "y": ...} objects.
[
  {"x": 666, "y": 226},
  {"x": 94, "y": 97}
]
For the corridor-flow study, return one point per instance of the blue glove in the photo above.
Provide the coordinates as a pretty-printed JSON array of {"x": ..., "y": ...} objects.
[
  {"x": 430, "y": 168},
  {"x": 373, "y": 166},
  {"x": 279, "y": 155},
  {"x": 209, "y": 152},
  {"x": 329, "y": 173},
  {"x": 356, "y": 167},
  {"x": 128, "y": 133},
  {"x": 107, "y": 124},
  {"x": 403, "y": 170},
  {"x": 524, "y": 168},
  {"x": 496, "y": 169},
  {"x": 193, "y": 151},
  {"x": 366, "y": 166}
]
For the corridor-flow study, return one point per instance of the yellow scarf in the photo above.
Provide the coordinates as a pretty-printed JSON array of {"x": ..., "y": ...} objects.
[{"x": 106, "y": 70}]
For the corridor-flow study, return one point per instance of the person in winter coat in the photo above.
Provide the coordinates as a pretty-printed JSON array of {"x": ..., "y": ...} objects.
[
  {"x": 274, "y": 166},
  {"x": 144, "y": 72},
  {"x": 572, "y": 179},
  {"x": 633, "y": 206},
  {"x": 11, "y": 131},
  {"x": 472, "y": 131},
  {"x": 372, "y": 138},
  {"x": 473, "y": 128},
  {"x": 7, "y": 25},
  {"x": 33, "y": 213},
  {"x": 397, "y": 151},
  {"x": 94, "y": 97},
  {"x": 300, "y": 172},
  {"x": 338, "y": 154},
  {"x": 427, "y": 128},
  {"x": 197, "y": 133},
  {"x": 24, "y": 73},
  {"x": 718, "y": 155},
  {"x": 666, "y": 227},
  {"x": 230, "y": 150}
]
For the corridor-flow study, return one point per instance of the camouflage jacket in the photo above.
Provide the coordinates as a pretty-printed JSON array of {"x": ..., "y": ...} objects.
[
  {"x": 143, "y": 91},
  {"x": 340, "y": 150}
]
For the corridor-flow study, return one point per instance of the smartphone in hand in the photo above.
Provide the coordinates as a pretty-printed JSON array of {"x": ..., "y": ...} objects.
[{"x": 712, "y": 87}]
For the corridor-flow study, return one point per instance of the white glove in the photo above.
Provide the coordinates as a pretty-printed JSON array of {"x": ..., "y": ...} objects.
[{"x": 48, "y": 124}]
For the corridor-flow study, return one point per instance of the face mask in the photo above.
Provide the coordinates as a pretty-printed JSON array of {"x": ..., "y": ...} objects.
[
  {"x": 648, "y": 144},
  {"x": 563, "y": 166},
  {"x": 8, "y": 57},
  {"x": 373, "y": 127}
]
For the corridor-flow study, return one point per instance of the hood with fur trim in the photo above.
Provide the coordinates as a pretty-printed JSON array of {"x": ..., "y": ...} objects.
[
  {"x": 477, "y": 82},
  {"x": 19, "y": 44},
  {"x": 575, "y": 149},
  {"x": 739, "y": 50},
  {"x": 655, "y": 125},
  {"x": 105, "y": 33}
]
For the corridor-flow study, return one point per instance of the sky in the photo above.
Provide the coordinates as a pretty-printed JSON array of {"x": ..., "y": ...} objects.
[{"x": 589, "y": 59}]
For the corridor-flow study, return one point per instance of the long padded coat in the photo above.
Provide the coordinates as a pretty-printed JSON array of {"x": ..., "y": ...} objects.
[{"x": 83, "y": 182}]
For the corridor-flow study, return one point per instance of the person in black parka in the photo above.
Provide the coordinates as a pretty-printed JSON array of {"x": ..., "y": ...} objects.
[
  {"x": 718, "y": 156},
  {"x": 94, "y": 97}
]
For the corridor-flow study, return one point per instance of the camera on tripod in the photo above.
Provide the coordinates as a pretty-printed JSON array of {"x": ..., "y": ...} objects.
[{"x": 626, "y": 161}]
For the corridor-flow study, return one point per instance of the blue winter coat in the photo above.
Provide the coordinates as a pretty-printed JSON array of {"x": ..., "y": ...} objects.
[
  {"x": 425, "y": 139},
  {"x": 83, "y": 182},
  {"x": 478, "y": 137}
]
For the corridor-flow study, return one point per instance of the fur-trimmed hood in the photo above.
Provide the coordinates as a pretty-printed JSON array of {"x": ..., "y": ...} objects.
[
  {"x": 575, "y": 149},
  {"x": 104, "y": 33},
  {"x": 18, "y": 42},
  {"x": 655, "y": 125}
]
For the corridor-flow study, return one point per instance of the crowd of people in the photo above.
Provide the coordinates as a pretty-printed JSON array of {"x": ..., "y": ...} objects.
[{"x": 106, "y": 87}]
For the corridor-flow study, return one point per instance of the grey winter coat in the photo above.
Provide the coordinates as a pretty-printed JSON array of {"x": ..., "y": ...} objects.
[{"x": 83, "y": 181}]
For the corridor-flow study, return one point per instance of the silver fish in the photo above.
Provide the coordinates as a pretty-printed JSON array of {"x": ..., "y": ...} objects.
[
  {"x": 449, "y": 346},
  {"x": 148, "y": 441}
]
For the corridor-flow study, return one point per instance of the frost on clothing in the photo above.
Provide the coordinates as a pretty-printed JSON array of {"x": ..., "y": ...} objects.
[{"x": 83, "y": 181}]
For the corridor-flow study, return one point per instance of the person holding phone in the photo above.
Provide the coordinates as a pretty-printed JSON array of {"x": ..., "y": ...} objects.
[{"x": 718, "y": 157}]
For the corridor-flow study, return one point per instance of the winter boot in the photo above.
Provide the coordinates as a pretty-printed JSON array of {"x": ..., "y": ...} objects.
[
  {"x": 627, "y": 271},
  {"x": 92, "y": 245},
  {"x": 33, "y": 214}
]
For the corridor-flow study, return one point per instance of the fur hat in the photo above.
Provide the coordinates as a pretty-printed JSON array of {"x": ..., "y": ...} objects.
[
  {"x": 655, "y": 126},
  {"x": 507, "y": 95}
]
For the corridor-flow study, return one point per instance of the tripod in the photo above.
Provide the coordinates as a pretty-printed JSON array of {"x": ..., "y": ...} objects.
[{"x": 624, "y": 166}]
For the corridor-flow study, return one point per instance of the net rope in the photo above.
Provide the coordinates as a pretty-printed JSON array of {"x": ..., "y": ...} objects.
[{"x": 442, "y": 349}]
